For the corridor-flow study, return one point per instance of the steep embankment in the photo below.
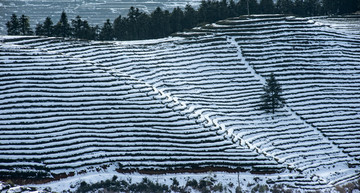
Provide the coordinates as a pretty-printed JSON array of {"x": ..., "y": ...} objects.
[{"x": 187, "y": 102}]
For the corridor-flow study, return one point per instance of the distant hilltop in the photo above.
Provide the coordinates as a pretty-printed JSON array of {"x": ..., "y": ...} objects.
[{"x": 95, "y": 11}]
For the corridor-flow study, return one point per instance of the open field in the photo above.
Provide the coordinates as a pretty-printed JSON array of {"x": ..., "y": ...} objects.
[{"x": 185, "y": 103}]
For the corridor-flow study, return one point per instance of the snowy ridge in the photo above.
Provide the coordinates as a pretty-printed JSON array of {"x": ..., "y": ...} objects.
[{"x": 196, "y": 96}]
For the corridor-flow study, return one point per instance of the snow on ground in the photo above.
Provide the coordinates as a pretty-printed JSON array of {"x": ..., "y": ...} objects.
[
  {"x": 219, "y": 77},
  {"x": 345, "y": 24},
  {"x": 147, "y": 42},
  {"x": 246, "y": 181}
]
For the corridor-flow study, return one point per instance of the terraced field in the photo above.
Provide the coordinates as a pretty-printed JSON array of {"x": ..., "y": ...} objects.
[
  {"x": 60, "y": 112},
  {"x": 348, "y": 23},
  {"x": 187, "y": 102}
]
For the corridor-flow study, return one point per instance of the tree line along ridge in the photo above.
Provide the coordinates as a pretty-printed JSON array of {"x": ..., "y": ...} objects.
[{"x": 160, "y": 23}]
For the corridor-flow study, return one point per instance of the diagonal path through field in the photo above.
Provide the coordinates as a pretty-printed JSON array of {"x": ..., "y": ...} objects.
[
  {"x": 212, "y": 77},
  {"x": 215, "y": 79},
  {"x": 200, "y": 76},
  {"x": 61, "y": 112},
  {"x": 209, "y": 116},
  {"x": 325, "y": 140}
]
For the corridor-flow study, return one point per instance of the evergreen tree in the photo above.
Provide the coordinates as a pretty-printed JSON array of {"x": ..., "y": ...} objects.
[
  {"x": 159, "y": 23},
  {"x": 232, "y": 9},
  {"x": 331, "y": 6},
  {"x": 45, "y": 29},
  {"x": 348, "y": 6},
  {"x": 120, "y": 32},
  {"x": 48, "y": 27},
  {"x": 267, "y": 6},
  {"x": 81, "y": 29},
  {"x": 176, "y": 20},
  {"x": 39, "y": 29},
  {"x": 13, "y": 26},
  {"x": 62, "y": 28},
  {"x": 77, "y": 26},
  {"x": 312, "y": 7},
  {"x": 87, "y": 32},
  {"x": 24, "y": 25},
  {"x": 299, "y": 8},
  {"x": 241, "y": 7},
  {"x": 222, "y": 9},
  {"x": 340, "y": 6},
  {"x": 190, "y": 17},
  {"x": 214, "y": 10},
  {"x": 209, "y": 11},
  {"x": 254, "y": 7},
  {"x": 133, "y": 25},
  {"x": 144, "y": 25},
  {"x": 271, "y": 99},
  {"x": 95, "y": 32},
  {"x": 202, "y": 11},
  {"x": 107, "y": 32},
  {"x": 166, "y": 23},
  {"x": 284, "y": 6}
]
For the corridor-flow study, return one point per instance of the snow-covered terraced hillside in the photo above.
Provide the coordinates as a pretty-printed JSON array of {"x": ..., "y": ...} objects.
[
  {"x": 350, "y": 23},
  {"x": 60, "y": 113},
  {"x": 318, "y": 69},
  {"x": 193, "y": 99}
]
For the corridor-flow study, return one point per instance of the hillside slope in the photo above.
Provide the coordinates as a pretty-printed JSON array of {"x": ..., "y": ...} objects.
[
  {"x": 187, "y": 102},
  {"x": 60, "y": 113}
]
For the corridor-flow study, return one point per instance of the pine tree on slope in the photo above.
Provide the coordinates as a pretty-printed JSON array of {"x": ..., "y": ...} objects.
[
  {"x": 107, "y": 31},
  {"x": 271, "y": 99},
  {"x": 24, "y": 26},
  {"x": 62, "y": 28},
  {"x": 267, "y": 6},
  {"x": 13, "y": 25},
  {"x": 45, "y": 29}
]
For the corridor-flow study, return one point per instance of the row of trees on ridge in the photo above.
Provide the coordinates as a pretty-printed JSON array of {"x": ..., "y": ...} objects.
[
  {"x": 19, "y": 26},
  {"x": 161, "y": 23}
]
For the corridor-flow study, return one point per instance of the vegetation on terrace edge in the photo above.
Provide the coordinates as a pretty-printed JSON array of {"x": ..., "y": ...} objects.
[
  {"x": 205, "y": 184},
  {"x": 161, "y": 23}
]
